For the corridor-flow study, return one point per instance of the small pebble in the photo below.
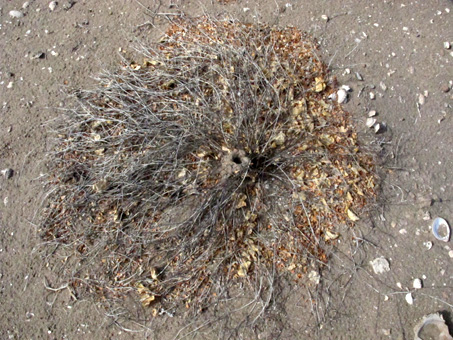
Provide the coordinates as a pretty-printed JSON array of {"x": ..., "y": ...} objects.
[
  {"x": 38, "y": 55},
  {"x": 447, "y": 45},
  {"x": 377, "y": 128},
  {"x": 358, "y": 76},
  {"x": 324, "y": 17},
  {"x": 450, "y": 253},
  {"x": 380, "y": 265},
  {"x": 68, "y": 5},
  {"x": 370, "y": 122},
  {"x": 246, "y": 9},
  {"x": 372, "y": 95},
  {"x": 421, "y": 99},
  {"x": 417, "y": 284},
  {"x": 25, "y": 5},
  {"x": 372, "y": 113},
  {"x": 409, "y": 298},
  {"x": 15, "y": 14},
  {"x": 383, "y": 86},
  {"x": 8, "y": 173},
  {"x": 341, "y": 96},
  {"x": 346, "y": 88},
  {"x": 10, "y": 85},
  {"x": 52, "y": 5}
]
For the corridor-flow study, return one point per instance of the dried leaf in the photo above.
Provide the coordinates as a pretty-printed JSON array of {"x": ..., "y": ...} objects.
[
  {"x": 352, "y": 216},
  {"x": 330, "y": 236},
  {"x": 320, "y": 84},
  {"x": 243, "y": 268}
]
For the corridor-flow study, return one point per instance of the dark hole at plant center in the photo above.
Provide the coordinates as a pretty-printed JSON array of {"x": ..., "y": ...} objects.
[{"x": 236, "y": 159}]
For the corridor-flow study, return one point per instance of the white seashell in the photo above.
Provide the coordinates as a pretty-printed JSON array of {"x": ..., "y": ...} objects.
[
  {"x": 332, "y": 96},
  {"x": 380, "y": 265},
  {"x": 377, "y": 127},
  {"x": 341, "y": 96},
  {"x": 25, "y": 5},
  {"x": 441, "y": 229},
  {"x": 53, "y": 5},
  {"x": 436, "y": 320},
  {"x": 370, "y": 122},
  {"x": 372, "y": 95},
  {"x": 409, "y": 298},
  {"x": 447, "y": 45},
  {"x": 417, "y": 284},
  {"x": 346, "y": 88},
  {"x": 15, "y": 14},
  {"x": 372, "y": 113}
]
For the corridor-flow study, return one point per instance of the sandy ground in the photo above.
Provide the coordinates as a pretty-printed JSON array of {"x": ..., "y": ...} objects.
[{"x": 398, "y": 49}]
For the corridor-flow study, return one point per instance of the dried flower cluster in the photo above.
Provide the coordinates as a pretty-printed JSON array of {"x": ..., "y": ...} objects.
[{"x": 217, "y": 160}]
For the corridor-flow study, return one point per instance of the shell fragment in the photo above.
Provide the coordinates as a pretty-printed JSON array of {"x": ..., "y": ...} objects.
[
  {"x": 417, "y": 284},
  {"x": 370, "y": 122},
  {"x": 380, "y": 265},
  {"x": 441, "y": 229},
  {"x": 342, "y": 96},
  {"x": 409, "y": 298}
]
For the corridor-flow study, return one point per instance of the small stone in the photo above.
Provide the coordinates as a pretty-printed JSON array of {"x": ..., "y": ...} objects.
[
  {"x": 386, "y": 332},
  {"x": 10, "y": 85},
  {"x": 450, "y": 253},
  {"x": 341, "y": 96},
  {"x": 68, "y": 5},
  {"x": 370, "y": 122},
  {"x": 447, "y": 45},
  {"x": 417, "y": 284},
  {"x": 246, "y": 9},
  {"x": 314, "y": 277},
  {"x": 53, "y": 5},
  {"x": 372, "y": 113},
  {"x": 8, "y": 173},
  {"x": 426, "y": 216},
  {"x": 25, "y": 5},
  {"x": 378, "y": 127},
  {"x": 421, "y": 99},
  {"x": 5, "y": 201},
  {"x": 380, "y": 265},
  {"x": 346, "y": 88},
  {"x": 38, "y": 55},
  {"x": 324, "y": 17},
  {"x": 372, "y": 96},
  {"x": 358, "y": 76},
  {"x": 409, "y": 298},
  {"x": 15, "y": 14},
  {"x": 383, "y": 86}
]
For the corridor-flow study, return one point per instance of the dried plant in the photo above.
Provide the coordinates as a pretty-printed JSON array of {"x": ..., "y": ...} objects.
[{"x": 215, "y": 162}]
